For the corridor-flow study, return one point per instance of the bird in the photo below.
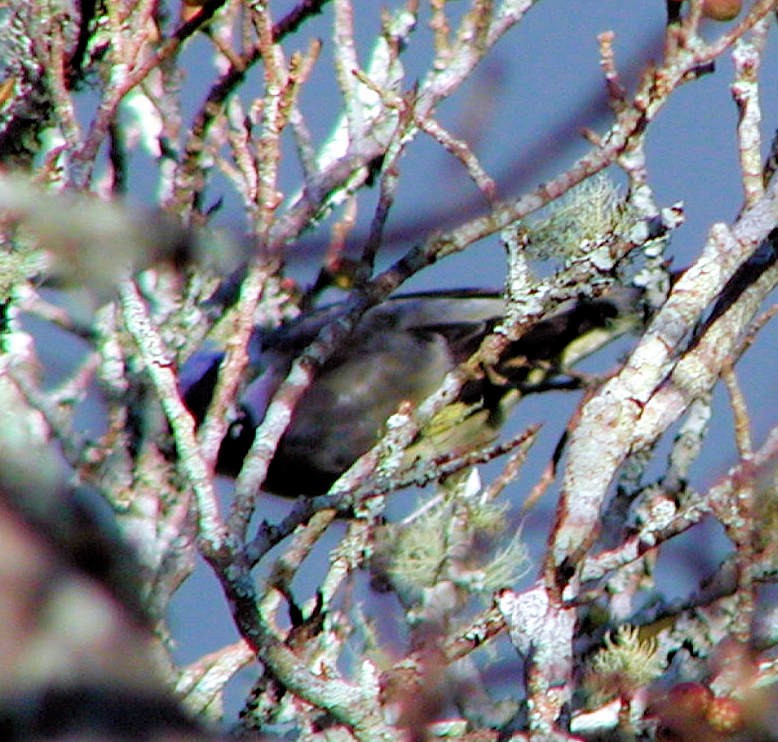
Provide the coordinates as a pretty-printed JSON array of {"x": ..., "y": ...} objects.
[{"x": 400, "y": 350}]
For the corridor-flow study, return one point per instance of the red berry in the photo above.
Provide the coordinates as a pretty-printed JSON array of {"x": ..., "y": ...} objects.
[
  {"x": 690, "y": 700},
  {"x": 725, "y": 715}
]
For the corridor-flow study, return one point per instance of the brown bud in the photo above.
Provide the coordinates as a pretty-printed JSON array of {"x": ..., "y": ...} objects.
[{"x": 721, "y": 10}]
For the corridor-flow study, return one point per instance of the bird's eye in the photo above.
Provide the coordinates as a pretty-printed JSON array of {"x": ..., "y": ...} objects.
[{"x": 241, "y": 426}]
